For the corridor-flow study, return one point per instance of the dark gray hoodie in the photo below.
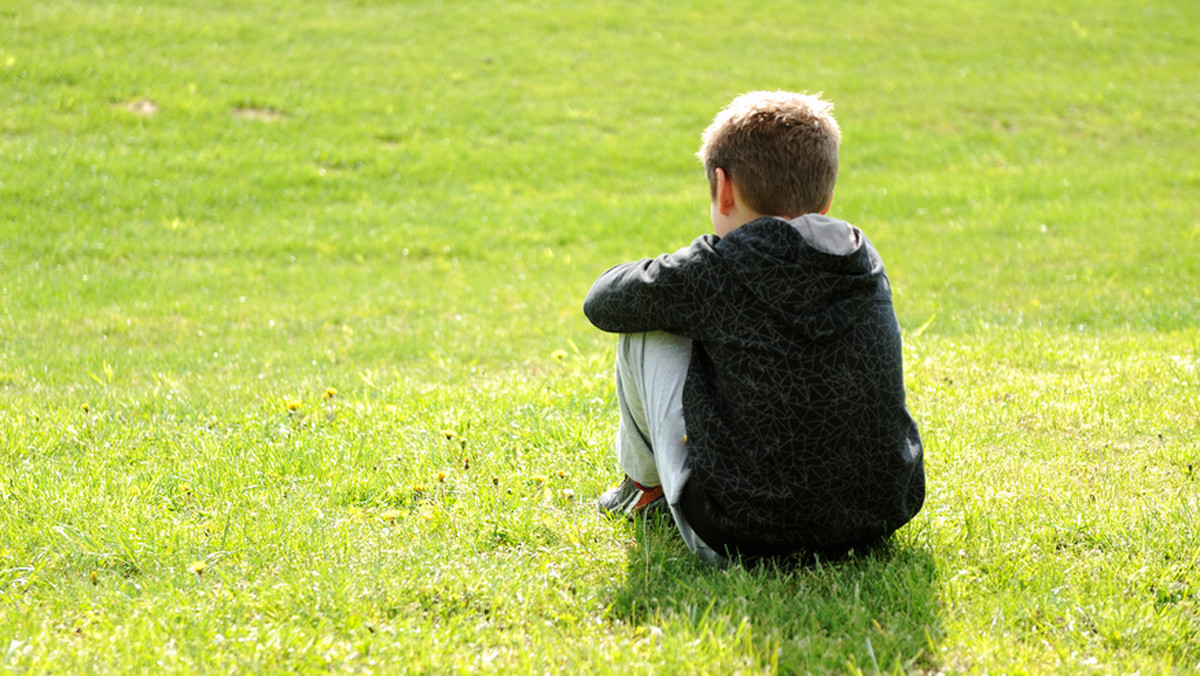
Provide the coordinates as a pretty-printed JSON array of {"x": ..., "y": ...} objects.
[{"x": 798, "y": 433}]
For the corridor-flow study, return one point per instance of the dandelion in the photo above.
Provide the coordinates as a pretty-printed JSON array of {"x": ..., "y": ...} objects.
[
  {"x": 450, "y": 434},
  {"x": 441, "y": 477},
  {"x": 418, "y": 488},
  {"x": 561, "y": 474},
  {"x": 426, "y": 513},
  {"x": 330, "y": 393},
  {"x": 390, "y": 514},
  {"x": 198, "y": 567},
  {"x": 539, "y": 479},
  {"x": 559, "y": 355},
  {"x": 84, "y": 407},
  {"x": 293, "y": 406},
  {"x": 95, "y": 577}
]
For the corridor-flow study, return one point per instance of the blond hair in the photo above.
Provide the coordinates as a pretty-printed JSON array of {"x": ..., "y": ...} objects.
[{"x": 779, "y": 148}]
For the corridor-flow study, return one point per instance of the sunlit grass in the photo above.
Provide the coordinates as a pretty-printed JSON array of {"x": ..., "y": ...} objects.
[{"x": 293, "y": 375}]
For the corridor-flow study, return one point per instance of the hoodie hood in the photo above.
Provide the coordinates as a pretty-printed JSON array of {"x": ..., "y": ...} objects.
[{"x": 816, "y": 274}]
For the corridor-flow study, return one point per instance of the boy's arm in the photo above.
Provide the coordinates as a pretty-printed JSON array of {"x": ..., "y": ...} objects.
[{"x": 669, "y": 293}]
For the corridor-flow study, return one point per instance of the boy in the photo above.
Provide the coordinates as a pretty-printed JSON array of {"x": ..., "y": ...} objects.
[{"x": 759, "y": 373}]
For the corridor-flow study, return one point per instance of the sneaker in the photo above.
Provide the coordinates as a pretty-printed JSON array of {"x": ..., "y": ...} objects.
[{"x": 630, "y": 498}]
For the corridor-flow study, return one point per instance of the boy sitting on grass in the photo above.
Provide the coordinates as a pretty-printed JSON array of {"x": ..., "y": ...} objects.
[{"x": 759, "y": 372}]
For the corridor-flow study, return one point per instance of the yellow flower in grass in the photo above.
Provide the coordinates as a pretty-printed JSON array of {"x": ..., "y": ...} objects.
[
  {"x": 293, "y": 406},
  {"x": 450, "y": 434},
  {"x": 330, "y": 393},
  {"x": 559, "y": 354},
  {"x": 426, "y": 513},
  {"x": 198, "y": 567}
]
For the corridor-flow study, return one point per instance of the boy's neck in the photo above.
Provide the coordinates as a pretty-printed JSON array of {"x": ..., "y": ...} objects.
[{"x": 725, "y": 226}]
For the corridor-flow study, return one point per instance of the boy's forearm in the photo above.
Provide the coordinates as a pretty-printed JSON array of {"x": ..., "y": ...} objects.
[
  {"x": 653, "y": 294},
  {"x": 615, "y": 302}
]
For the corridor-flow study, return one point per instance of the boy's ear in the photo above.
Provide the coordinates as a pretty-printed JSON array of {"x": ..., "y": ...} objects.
[
  {"x": 827, "y": 207},
  {"x": 725, "y": 199}
]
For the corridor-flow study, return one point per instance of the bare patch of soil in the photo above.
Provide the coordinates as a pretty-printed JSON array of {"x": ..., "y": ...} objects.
[
  {"x": 141, "y": 107},
  {"x": 255, "y": 113}
]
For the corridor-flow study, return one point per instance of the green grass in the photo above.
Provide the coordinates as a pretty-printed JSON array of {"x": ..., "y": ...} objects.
[{"x": 293, "y": 375}]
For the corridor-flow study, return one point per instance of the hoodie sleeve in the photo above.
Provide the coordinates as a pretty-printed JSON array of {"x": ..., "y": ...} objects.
[{"x": 667, "y": 293}]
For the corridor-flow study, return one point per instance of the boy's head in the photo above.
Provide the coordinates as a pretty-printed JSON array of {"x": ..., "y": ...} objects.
[{"x": 779, "y": 148}]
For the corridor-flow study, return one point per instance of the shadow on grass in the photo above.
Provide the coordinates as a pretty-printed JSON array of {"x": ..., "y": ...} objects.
[{"x": 870, "y": 611}]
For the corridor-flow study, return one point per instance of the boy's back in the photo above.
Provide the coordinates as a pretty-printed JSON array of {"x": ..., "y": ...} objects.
[{"x": 794, "y": 399}]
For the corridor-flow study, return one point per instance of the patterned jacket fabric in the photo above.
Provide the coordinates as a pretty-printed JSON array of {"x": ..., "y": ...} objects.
[{"x": 798, "y": 432}]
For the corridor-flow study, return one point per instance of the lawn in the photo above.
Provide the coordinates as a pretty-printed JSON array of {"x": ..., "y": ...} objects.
[{"x": 294, "y": 376}]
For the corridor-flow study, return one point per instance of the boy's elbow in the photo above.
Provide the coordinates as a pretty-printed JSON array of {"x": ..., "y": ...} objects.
[
  {"x": 605, "y": 311},
  {"x": 593, "y": 308},
  {"x": 612, "y": 301},
  {"x": 589, "y": 302}
]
